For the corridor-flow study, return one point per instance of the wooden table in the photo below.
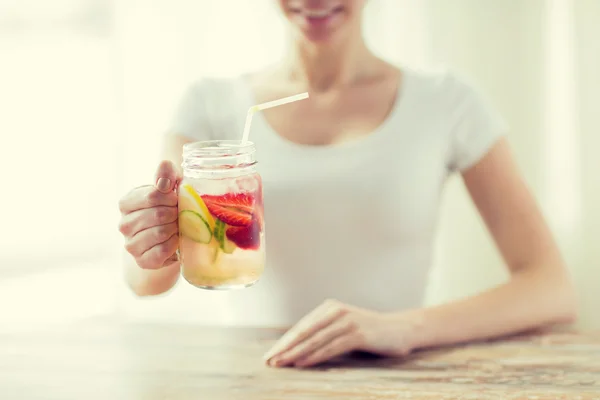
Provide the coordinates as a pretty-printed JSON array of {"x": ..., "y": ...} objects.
[{"x": 115, "y": 361}]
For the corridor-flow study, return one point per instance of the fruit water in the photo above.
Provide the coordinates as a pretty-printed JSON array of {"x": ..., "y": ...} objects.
[{"x": 221, "y": 225}]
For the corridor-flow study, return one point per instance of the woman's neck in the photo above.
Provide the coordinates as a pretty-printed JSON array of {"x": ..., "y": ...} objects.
[{"x": 326, "y": 67}]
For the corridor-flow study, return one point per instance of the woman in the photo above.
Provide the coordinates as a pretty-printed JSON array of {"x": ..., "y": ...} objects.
[{"x": 366, "y": 157}]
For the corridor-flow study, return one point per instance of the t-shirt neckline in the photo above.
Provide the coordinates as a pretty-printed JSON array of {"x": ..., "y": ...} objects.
[{"x": 375, "y": 137}]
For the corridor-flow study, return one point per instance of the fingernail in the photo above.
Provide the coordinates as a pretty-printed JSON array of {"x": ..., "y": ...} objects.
[{"x": 163, "y": 184}]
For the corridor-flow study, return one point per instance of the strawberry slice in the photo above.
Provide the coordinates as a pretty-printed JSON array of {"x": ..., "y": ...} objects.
[
  {"x": 235, "y": 209},
  {"x": 245, "y": 237}
]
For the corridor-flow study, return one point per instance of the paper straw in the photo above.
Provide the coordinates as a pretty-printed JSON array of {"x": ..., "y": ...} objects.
[{"x": 264, "y": 106}]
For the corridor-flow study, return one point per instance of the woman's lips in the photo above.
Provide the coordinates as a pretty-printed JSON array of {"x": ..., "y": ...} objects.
[
  {"x": 318, "y": 18},
  {"x": 319, "y": 21}
]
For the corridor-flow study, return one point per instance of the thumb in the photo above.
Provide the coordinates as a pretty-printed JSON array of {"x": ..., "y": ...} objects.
[{"x": 167, "y": 176}]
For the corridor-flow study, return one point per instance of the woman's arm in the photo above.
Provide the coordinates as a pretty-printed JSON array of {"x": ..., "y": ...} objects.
[
  {"x": 150, "y": 282},
  {"x": 539, "y": 291}
]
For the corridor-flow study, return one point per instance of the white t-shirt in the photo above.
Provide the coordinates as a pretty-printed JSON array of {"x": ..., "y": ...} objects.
[{"x": 354, "y": 221}]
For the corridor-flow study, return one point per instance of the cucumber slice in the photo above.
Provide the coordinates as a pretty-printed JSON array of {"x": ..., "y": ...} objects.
[
  {"x": 193, "y": 226},
  {"x": 225, "y": 244}
]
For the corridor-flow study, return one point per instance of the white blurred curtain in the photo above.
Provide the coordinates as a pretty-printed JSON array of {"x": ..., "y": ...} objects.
[{"x": 537, "y": 59}]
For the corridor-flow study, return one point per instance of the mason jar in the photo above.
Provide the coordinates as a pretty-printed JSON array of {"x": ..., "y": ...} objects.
[{"x": 221, "y": 226}]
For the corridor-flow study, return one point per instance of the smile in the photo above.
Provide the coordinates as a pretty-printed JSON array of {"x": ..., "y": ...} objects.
[{"x": 316, "y": 13}]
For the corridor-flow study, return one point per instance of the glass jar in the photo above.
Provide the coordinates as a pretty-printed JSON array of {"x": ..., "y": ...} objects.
[{"x": 221, "y": 226}]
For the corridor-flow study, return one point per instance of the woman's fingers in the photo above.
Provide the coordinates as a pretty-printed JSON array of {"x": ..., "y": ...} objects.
[
  {"x": 159, "y": 255},
  {"x": 149, "y": 219},
  {"x": 313, "y": 322},
  {"x": 148, "y": 238},
  {"x": 340, "y": 345},
  {"x": 146, "y": 197},
  {"x": 167, "y": 176},
  {"x": 133, "y": 223},
  {"x": 313, "y": 344}
]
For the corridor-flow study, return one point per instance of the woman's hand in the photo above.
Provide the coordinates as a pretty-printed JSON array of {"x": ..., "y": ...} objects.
[
  {"x": 334, "y": 328},
  {"x": 149, "y": 220}
]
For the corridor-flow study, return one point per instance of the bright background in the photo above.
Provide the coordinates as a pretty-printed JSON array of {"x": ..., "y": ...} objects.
[{"x": 87, "y": 87}]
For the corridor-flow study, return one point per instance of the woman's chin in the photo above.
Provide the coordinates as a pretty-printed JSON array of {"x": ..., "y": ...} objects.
[
  {"x": 321, "y": 37},
  {"x": 320, "y": 30}
]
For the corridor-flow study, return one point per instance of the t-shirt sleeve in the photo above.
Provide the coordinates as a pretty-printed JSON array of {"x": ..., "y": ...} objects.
[
  {"x": 190, "y": 117},
  {"x": 476, "y": 125}
]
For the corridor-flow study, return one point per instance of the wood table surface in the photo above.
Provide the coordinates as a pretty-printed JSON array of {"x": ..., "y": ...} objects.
[{"x": 133, "y": 361}]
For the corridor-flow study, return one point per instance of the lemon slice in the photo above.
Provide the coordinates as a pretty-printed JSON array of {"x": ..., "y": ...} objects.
[{"x": 189, "y": 200}]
